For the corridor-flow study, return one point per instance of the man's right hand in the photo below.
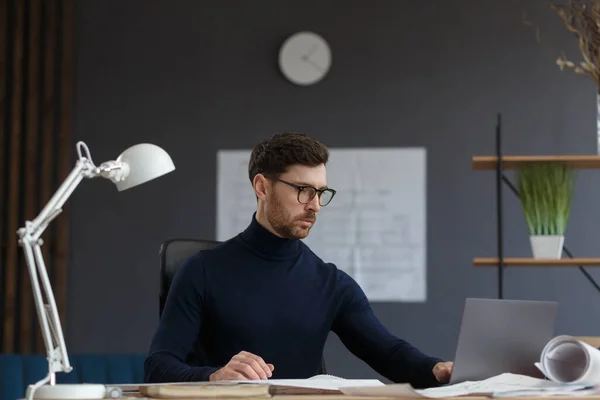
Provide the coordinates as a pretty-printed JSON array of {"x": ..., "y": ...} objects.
[{"x": 244, "y": 366}]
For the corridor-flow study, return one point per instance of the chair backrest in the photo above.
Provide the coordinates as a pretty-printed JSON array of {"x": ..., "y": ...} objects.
[{"x": 173, "y": 253}]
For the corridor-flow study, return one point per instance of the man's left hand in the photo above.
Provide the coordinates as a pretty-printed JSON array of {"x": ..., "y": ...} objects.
[{"x": 442, "y": 371}]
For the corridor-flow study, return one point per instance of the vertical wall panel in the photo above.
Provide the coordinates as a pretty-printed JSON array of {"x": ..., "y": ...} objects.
[
  {"x": 3, "y": 158},
  {"x": 15, "y": 62},
  {"x": 65, "y": 149},
  {"x": 46, "y": 161},
  {"x": 26, "y": 310},
  {"x": 36, "y": 56}
]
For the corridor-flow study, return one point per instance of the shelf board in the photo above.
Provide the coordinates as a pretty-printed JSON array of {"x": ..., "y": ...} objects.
[
  {"x": 535, "y": 262},
  {"x": 512, "y": 162}
]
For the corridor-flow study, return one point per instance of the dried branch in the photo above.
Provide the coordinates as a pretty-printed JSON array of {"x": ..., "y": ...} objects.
[
  {"x": 582, "y": 19},
  {"x": 538, "y": 36}
]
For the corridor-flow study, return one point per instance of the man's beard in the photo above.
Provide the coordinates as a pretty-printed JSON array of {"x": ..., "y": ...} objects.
[{"x": 283, "y": 224}]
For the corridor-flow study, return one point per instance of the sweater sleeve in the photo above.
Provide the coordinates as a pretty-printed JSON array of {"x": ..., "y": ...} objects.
[
  {"x": 178, "y": 329},
  {"x": 366, "y": 337}
]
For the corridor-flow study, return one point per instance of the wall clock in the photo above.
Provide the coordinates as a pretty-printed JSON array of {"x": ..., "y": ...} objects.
[{"x": 305, "y": 58}]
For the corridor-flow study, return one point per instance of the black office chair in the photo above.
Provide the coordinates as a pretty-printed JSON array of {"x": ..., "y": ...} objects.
[{"x": 173, "y": 253}]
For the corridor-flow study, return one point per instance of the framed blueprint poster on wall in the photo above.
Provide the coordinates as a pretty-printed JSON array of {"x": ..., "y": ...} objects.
[{"x": 375, "y": 227}]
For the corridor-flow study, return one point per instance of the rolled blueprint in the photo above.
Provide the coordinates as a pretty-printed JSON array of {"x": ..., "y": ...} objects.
[{"x": 565, "y": 359}]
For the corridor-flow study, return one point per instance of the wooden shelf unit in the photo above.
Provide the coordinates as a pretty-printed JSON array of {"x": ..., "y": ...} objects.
[
  {"x": 535, "y": 262},
  {"x": 499, "y": 163},
  {"x": 512, "y": 162}
]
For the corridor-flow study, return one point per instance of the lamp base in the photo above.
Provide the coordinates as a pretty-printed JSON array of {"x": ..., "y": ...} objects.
[{"x": 69, "y": 391}]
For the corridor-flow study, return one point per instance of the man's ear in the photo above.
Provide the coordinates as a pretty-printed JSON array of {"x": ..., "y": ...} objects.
[{"x": 261, "y": 186}]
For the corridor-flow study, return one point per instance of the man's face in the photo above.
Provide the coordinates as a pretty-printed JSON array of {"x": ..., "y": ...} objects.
[{"x": 288, "y": 217}]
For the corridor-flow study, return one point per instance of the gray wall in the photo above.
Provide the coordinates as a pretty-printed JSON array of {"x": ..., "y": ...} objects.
[{"x": 195, "y": 77}]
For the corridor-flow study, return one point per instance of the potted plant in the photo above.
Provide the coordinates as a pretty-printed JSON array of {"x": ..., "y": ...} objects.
[{"x": 545, "y": 192}]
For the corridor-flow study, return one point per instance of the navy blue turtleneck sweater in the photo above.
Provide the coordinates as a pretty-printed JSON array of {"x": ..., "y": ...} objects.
[{"x": 275, "y": 298}]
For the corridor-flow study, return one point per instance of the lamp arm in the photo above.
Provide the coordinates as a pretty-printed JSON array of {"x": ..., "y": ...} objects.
[{"x": 30, "y": 240}]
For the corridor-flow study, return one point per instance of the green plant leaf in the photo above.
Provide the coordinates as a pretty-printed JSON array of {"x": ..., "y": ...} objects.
[{"x": 546, "y": 193}]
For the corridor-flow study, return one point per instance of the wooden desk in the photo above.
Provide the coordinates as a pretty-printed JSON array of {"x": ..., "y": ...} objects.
[
  {"x": 284, "y": 393},
  {"x": 346, "y": 397},
  {"x": 343, "y": 397}
]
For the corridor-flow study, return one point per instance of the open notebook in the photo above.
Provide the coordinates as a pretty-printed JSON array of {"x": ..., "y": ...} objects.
[{"x": 319, "y": 384}]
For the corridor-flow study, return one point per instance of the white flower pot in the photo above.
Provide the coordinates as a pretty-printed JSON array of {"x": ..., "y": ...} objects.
[{"x": 547, "y": 246}]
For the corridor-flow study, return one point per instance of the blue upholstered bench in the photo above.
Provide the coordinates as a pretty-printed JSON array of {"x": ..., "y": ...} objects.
[{"x": 19, "y": 371}]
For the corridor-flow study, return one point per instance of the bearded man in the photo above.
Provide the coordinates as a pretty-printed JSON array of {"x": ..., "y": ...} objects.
[{"x": 261, "y": 304}]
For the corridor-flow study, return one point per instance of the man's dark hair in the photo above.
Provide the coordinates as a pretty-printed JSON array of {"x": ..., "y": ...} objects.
[{"x": 273, "y": 156}]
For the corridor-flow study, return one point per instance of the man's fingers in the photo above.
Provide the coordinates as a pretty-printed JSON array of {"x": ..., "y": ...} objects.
[
  {"x": 442, "y": 371},
  {"x": 227, "y": 373},
  {"x": 246, "y": 365},
  {"x": 257, "y": 363},
  {"x": 246, "y": 370},
  {"x": 263, "y": 372},
  {"x": 254, "y": 366},
  {"x": 236, "y": 376}
]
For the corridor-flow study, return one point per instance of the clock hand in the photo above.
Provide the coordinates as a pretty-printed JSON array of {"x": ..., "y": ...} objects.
[
  {"x": 315, "y": 65},
  {"x": 306, "y": 56}
]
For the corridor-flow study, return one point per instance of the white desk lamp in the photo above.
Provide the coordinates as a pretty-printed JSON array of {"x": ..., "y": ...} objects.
[{"x": 136, "y": 165}]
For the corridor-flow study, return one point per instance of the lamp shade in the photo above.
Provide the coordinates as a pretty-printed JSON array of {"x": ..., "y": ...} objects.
[{"x": 146, "y": 162}]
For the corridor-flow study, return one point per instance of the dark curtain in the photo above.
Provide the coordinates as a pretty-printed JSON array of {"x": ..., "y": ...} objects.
[{"x": 36, "y": 88}]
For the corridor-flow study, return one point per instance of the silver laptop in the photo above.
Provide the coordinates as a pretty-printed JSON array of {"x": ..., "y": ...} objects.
[{"x": 498, "y": 336}]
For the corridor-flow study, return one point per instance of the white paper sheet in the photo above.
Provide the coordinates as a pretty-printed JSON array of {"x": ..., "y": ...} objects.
[
  {"x": 501, "y": 385},
  {"x": 566, "y": 359},
  {"x": 326, "y": 382},
  {"x": 375, "y": 227}
]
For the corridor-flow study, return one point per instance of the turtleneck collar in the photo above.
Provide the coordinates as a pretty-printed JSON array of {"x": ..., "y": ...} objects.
[{"x": 267, "y": 244}]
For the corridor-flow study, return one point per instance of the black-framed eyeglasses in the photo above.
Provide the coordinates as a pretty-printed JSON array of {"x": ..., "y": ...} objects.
[{"x": 306, "y": 193}]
